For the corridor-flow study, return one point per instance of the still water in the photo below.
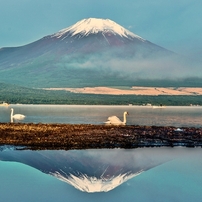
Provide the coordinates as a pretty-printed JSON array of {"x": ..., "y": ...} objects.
[
  {"x": 143, "y": 174},
  {"x": 92, "y": 114}
]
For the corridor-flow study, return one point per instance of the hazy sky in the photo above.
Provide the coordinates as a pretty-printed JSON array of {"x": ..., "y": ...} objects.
[{"x": 174, "y": 24}]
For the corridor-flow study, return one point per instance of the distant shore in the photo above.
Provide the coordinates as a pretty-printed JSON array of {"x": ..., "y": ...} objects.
[
  {"x": 81, "y": 136},
  {"x": 135, "y": 90},
  {"x": 103, "y": 95}
]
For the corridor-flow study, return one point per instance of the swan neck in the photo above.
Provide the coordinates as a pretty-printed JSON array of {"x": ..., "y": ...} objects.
[
  {"x": 124, "y": 118},
  {"x": 11, "y": 112}
]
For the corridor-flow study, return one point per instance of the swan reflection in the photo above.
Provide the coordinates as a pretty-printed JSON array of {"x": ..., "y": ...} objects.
[{"x": 90, "y": 170}]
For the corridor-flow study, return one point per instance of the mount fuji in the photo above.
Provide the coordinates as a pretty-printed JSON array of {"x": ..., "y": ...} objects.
[
  {"x": 84, "y": 54},
  {"x": 89, "y": 170}
]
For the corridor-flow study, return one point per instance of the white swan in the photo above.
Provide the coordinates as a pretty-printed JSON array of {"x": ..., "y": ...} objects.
[
  {"x": 114, "y": 120},
  {"x": 16, "y": 116}
]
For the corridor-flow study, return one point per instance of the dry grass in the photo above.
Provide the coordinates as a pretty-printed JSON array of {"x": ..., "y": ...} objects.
[
  {"x": 136, "y": 90},
  {"x": 70, "y": 136}
]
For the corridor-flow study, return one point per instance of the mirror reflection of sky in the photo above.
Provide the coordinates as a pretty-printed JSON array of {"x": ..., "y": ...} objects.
[{"x": 179, "y": 179}]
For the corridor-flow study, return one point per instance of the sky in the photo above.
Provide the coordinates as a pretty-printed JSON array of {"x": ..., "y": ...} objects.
[{"x": 174, "y": 24}]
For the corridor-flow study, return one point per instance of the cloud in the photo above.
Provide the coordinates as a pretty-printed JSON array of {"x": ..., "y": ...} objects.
[{"x": 164, "y": 67}]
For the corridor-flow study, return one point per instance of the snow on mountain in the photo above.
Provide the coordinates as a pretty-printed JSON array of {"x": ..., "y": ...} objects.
[
  {"x": 94, "y": 26},
  {"x": 93, "y": 170},
  {"x": 93, "y": 184},
  {"x": 99, "y": 45}
]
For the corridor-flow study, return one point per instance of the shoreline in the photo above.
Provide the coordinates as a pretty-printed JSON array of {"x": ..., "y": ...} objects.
[{"x": 86, "y": 136}]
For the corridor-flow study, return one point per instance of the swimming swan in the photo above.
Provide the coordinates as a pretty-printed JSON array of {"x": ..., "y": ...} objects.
[
  {"x": 16, "y": 116},
  {"x": 114, "y": 120}
]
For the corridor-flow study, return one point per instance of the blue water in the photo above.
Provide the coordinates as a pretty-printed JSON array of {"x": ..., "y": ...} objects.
[
  {"x": 81, "y": 114},
  {"x": 179, "y": 179}
]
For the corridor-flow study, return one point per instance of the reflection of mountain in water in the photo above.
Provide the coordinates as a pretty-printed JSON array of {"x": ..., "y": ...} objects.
[{"x": 89, "y": 170}]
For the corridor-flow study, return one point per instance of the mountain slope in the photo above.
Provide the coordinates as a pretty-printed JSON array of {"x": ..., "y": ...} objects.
[
  {"x": 91, "y": 52},
  {"x": 89, "y": 170}
]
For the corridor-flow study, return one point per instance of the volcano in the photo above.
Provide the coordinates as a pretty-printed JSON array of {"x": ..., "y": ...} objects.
[
  {"x": 89, "y": 170},
  {"x": 80, "y": 55}
]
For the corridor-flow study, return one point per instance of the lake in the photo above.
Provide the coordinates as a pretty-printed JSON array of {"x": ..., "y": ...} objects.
[
  {"x": 189, "y": 116},
  {"x": 142, "y": 174}
]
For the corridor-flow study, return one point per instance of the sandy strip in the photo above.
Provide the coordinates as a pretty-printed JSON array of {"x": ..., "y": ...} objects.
[{"x": 135, "y": 90}]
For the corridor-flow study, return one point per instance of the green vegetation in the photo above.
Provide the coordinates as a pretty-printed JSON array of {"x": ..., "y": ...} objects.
[
  {"x": 79, "y": 71},
  {"x": 15, "y": 94}
]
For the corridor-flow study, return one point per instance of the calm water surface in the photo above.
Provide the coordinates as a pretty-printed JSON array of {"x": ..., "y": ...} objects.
[
  {"x": 143, "y": 174},
  {"x": 81, "y": 114}
]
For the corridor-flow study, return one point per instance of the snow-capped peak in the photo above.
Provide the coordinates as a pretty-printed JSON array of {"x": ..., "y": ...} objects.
[
  {"x": 95, "y": 25},
  {"x": 93, "y": 184}
]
